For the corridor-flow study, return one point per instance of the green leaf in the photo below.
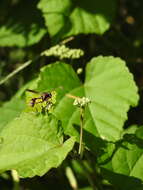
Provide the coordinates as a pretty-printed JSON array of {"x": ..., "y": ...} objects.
[
  {"x": 70, "y": 116},
  {"x": 16, "y": 105},
  {"x": 128, "y": 158},
  {"x": 10, "y": 110},
  {"x": 65, "y": 17},
  {"x": 32, "y": 144},
  {"x": 110, "y": 87},
  {"x": 63, "y": 82},
  {"x": 112, "y": 90},
  {"x": 21, "y": 24},
  {"x": 120, "y": 181},
  {"x": 139, "y": 132}
]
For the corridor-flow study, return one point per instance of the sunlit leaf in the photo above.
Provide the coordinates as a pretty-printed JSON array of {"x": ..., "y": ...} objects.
[
  {"x": 10, "y": 110},
  {"x": 66, "y": 17},
  {"x": 32, "y": 145},
  {"x": 112, "y": 90},
  {"x": 110, "y": 87}
]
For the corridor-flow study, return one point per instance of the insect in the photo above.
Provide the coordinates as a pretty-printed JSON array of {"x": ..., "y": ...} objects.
[{"x": 43, "y": 97}]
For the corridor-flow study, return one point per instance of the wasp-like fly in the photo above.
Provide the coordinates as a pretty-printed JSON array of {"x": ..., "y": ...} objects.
[{"x": 43, "y": 97}]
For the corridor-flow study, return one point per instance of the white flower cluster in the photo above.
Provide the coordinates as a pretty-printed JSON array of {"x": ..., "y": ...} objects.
[
  {"x": 81, "y": 102},
  {"x": 62, "y": 52}
]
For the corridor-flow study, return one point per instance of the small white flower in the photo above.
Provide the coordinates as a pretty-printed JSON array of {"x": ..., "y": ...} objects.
[{"x": 62, "y": 52}]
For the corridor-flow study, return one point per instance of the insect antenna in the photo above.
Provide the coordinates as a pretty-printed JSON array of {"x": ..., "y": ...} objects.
[{"x": 33, "y": 91}]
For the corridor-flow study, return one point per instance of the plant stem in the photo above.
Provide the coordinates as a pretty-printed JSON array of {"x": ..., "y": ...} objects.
[
  {"x": 16, "y": 180},
  {"x": 17, "y": 70},
  {"x": 93, "y": 173},
  {"x": 67, "y": 40},
  {"x": 72, "y": 96},
  {"x": 88, "y": 176},
  {"x": 72, "y": 179},
  {"x": 80, "y": 150},
  {"x": 27, "y": 63},
  {"x": 24, "y": 65}
]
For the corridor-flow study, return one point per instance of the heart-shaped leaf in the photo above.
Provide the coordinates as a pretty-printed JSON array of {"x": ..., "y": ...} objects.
[{"x": 112, "y": 90}]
